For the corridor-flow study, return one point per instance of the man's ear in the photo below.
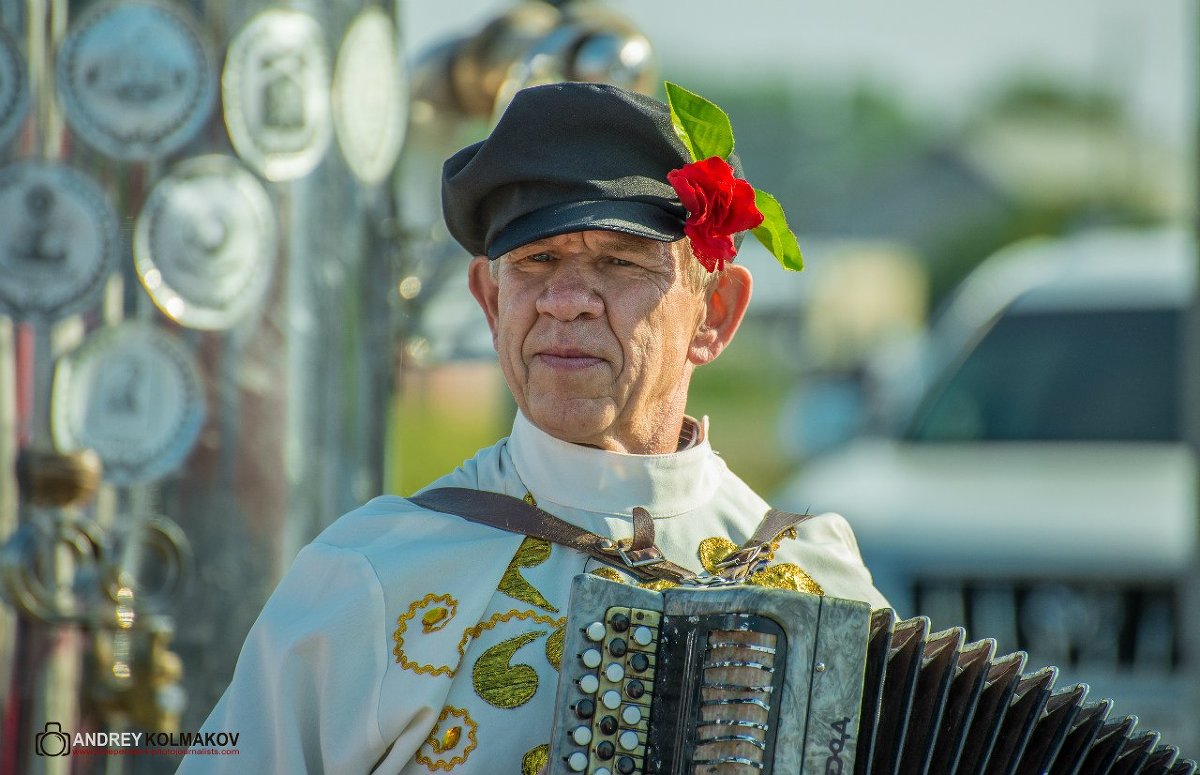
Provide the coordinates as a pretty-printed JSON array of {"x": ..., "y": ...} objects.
[
  {"x": 725, "y": 306},
  {"x": 485, "y": 290}
]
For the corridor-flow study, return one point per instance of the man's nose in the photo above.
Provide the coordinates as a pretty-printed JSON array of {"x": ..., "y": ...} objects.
[{"x": 570, "y": 293}]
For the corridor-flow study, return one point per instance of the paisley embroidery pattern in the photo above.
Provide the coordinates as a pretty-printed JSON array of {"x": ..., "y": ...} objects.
[
  {"x": 498, "y": 682},
  {"x": 447, "y": 746},
  {"x": 531, "y": 553},
  {"x": 436, "y": 612},
  {"x": 535, "y": 759}
]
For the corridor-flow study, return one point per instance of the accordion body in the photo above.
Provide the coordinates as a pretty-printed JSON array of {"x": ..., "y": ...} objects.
[{"x": 741, "y": 680}]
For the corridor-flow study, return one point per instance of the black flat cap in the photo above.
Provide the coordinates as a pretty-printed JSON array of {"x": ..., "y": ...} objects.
[{"x": 567, "y": 157}]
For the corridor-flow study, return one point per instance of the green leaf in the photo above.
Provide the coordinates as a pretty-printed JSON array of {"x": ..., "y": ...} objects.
[
  {"x": 774, "y": 233},
  {"x": 702, "y": 126}
]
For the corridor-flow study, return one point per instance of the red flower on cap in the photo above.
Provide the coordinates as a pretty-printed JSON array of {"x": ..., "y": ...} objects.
[{"x": 719, "y": 206}]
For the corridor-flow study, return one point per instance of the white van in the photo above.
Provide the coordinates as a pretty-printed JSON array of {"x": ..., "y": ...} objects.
[{"x": 1043, "y": 491}]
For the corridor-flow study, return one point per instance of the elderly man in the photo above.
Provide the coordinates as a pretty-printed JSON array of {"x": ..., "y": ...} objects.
[{"x": 411, "y": 640}]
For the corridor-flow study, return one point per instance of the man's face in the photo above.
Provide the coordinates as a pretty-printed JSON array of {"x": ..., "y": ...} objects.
[{"x": 596, "y": 334}]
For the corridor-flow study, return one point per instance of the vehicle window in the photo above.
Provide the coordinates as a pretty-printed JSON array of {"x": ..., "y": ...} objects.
[{"x": 1063, "y": 376}]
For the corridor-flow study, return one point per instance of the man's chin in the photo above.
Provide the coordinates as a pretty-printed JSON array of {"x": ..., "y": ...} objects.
[{"x": 574, "y": 422}]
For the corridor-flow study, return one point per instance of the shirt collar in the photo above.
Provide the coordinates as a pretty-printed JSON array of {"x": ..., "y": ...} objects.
[{"x": 600, "y": 481}]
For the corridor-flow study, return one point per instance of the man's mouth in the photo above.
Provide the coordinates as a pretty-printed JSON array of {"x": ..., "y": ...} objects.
[{"x": 566, "y": 358}]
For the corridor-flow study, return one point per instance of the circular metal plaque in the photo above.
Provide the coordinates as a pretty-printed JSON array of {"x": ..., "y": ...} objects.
[
  {"x": 14, "y": 89},
  {"x": 58, "y": 240},
  {"x": 134, "y": 395},
  {"x": 370, "y": 96},
  {"x": 135, "y": 78},
  {"x": 205, "y": 243},
  {"x": 275, "y": 88}
]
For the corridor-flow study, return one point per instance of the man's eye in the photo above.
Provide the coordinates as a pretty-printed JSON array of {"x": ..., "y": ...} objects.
[
  {"x": 541, "y": 258},
  {"x": 621, "y": 262}
]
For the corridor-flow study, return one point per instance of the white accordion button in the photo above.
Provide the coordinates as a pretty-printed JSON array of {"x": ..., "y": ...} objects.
[
  {"x": 582, "y": 735},
  {"x": 603, "y": 771},
  {"x": 591, "y": 658},
  {"x": 577, "y": 761},
  {"x": 628, "y": 740},
  {"x": 642, "y": 636},
  {"x": 611, "y": 699},
  {"x": 632, "y": 714},
  {"x": 595, "y": 631},
  {"x": 589, "y": 684},
  {"x": 614, "y": 672}
]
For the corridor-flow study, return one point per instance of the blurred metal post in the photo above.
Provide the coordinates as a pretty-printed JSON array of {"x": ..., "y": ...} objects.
[{"x": 228, "y": 356}]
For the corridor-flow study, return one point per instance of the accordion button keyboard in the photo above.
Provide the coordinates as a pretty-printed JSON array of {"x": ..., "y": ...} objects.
[{"x": 614, "y": 740}]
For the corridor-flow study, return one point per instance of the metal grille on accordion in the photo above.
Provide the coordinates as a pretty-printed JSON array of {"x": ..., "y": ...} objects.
[{"x": 740, "y": 680}]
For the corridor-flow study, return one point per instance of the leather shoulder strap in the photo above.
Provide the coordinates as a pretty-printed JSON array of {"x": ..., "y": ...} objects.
[{"x": 640, "y": 558}]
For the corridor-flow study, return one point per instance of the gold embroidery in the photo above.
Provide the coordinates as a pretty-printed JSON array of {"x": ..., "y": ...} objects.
[
  {"x": 609, "y": 573},
  {"x": 713, "y": 550},
  {"x": 782, "y": 576},
  {"x": 535, "y": 759},
  {"x": 529, "y": 498},
  {"x": 658, "y": 585},
  {"x": 786, "y": 576},
  {"x": 447, "y": 741},
  {"x": 507, "y": 616},
  {"x": 531, "y": 553},
  {"x": 554, "y": 647},
  {"x": 432, "y": 620},
  {"x": 500, "y": 683}
]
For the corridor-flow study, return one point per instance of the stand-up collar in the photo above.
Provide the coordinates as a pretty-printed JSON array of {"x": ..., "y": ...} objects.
[{"x": 600, "y": 481}]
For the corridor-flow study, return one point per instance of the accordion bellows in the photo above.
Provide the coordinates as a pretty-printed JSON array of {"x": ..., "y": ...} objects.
[
  {"x": 934, "y": 703},
  {"x": 742, "y": 680}
]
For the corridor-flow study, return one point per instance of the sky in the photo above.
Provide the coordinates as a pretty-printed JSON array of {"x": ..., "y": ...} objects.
[{"x": 942, "y": 55}]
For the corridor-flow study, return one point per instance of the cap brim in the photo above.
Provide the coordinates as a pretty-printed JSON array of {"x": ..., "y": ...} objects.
[{"x": 641, "y": 219}]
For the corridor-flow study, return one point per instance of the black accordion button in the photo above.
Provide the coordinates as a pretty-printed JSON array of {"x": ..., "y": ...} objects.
[
  {"x": 617, "y": 647},
  {"x": 639, "y": 662},
  {"x": 585, "y": 708},
  {"x": 606, "y": 750},
  {"x": 625, "y": 765},
  {"x": 619, "y": 622},
  {"x": 608, "y": 725},
  {"x": 635, "y": 688}
]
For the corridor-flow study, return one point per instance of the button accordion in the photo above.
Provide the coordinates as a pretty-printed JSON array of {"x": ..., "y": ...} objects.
[{"x": 740, "y": 680}]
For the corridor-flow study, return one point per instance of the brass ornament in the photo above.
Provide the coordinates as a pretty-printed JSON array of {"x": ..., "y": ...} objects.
[
  {"x": 448, "y": 739},
  {"x": 433, "y": 618}
]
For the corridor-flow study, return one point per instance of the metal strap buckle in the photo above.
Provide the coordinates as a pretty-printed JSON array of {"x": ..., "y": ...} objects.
[{"x": 620, "y": 548}]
